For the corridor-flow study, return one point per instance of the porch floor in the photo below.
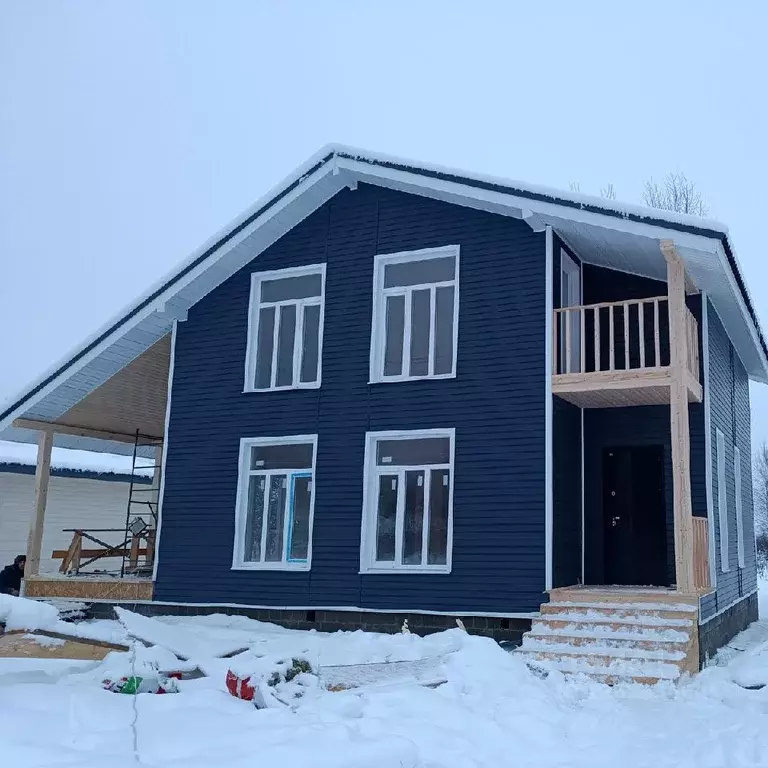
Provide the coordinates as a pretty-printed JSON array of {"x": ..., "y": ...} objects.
[{"x": 89, "y": 588}]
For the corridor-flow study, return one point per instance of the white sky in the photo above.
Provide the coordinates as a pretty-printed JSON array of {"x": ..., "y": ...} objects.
[{"x": 130, "y": 132}]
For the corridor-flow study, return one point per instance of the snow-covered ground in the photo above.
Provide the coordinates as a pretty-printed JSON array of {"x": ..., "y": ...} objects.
[{"x": 492, "y": 711}]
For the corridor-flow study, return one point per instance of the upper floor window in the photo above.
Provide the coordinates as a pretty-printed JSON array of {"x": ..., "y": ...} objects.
[
  {"x": 285, "y": 329},
  {"x": 408, "y": 501},
  {"x": 415, "y": 315},
  {"x": 273, "y": 526}
]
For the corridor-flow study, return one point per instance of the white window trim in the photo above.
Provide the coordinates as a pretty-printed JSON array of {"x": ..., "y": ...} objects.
[
  {"x": 739, "y": 508},
  {"x": 368, "y": 562},
  {"x": 241, "y": 510},
  {"x": 378, "y": 330},
  {"x": 722, "y": 503},
  {"x": 254, "y": 304}
]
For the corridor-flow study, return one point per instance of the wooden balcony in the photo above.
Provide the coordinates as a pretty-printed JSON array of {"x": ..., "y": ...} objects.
[{"x": 618, "y": 353}]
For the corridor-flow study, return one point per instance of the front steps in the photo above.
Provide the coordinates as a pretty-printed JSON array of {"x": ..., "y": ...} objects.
[{"x": 615, "y": 634}]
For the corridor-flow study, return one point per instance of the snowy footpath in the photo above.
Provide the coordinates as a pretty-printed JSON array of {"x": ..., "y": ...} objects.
[{"x": 490, "y": 711}]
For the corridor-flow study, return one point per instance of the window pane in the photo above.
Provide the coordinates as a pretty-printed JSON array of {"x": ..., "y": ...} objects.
[
  {"x": 290, "y": 456},
  {"x": 393, "y": 347},
  {"x": 413, "y": 518},
  {"x": 385, "y": 518},
  {"x": 254, "y": 518},
  {"x": 420, "y": 309},
  {"x": 310, "y": 343},
  {"x": 264, "y": 346},
  {"x": 275, "y": 511},
  {"x": 419, "y": 272},
  {"x": 423, "y": 450},
  {"x": 299, "y": 537},
  {"x": 443, "y": 340},
  {"x": 437, "y": 545},
  {"x": 286, "y": 288},
  {"x": 285, "y": 339}
]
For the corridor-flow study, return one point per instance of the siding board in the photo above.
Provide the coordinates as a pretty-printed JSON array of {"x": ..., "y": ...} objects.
[{"x": 495, "y": 403}]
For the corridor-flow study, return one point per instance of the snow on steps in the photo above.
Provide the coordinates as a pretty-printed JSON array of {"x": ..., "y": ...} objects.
[{"x": 615, "y": 637}]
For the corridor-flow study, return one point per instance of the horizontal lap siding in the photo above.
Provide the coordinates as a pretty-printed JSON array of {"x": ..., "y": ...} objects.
[
  {"x": 496, "y": 405},
  {"x": 729, "y": 412}
]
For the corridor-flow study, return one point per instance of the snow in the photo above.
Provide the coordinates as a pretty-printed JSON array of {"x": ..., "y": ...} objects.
[
  {"x": 18, "y": 613},
  {"x": 491, "y": 711},
  {"x": 66, "y": 458}
]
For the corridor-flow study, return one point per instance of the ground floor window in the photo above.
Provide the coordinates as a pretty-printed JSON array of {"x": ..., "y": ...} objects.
[
  {"x": 408, "y": 501},
  {"x": 275, "y": 502}
]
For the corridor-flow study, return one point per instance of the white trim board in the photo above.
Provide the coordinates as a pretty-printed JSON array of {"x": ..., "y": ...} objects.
[
  {"x": 166, "y": 436},
  {"x": 548, "y": 444},
  {"x": 722, "y": 503},
  {"x": 708, "y": 441}
]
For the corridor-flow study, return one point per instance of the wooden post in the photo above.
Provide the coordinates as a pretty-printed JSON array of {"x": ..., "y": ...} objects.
[
  {"x": 42, "y": 475},
  {"x": 678, "y": 405}
]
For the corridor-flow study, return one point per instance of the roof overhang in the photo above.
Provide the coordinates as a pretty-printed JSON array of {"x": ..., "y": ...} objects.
[{"x": 601, "y": 231}]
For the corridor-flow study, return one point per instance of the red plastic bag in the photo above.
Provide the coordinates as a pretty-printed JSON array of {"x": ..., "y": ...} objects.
[{"x": 240, "y": 687}]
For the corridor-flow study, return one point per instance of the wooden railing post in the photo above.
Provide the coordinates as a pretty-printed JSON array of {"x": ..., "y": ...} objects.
[
  {"x": 42, "y": 476},
  {"x": 681, "y": 448}
]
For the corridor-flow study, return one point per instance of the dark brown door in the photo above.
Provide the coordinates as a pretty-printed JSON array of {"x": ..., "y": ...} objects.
[{"x": 634, "y": 516}]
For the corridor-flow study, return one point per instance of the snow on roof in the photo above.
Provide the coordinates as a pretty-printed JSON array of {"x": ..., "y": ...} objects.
[{"x": 25, "y": 454}]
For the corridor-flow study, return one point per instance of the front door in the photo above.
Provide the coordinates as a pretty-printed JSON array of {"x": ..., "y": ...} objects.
[{"x": 634, "y": 516}]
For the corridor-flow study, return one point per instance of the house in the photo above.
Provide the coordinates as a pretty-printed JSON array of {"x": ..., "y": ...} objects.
[
  {"x": 391, "y": 388},
  {"x": 86, "y": 490}
]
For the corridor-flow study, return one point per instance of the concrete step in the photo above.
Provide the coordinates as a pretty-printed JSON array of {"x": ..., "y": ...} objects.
[{"x": 609, "y": 640}]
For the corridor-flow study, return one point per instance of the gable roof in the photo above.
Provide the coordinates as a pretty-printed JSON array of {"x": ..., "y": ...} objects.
[{"x": 601, "y": 231}]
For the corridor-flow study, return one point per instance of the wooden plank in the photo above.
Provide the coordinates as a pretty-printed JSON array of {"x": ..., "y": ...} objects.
[
  {"x": 701, "y": 553},
  {"x": 88, "y": 553},
  {"x": 73, "y": 638},
  {"x": 611, "y": 356},
  {"x": 568, "y": 342},
  {"x": 681, "y": 444},
  {"x": 42, "y": 476},
  {"x": 641, "y": 330},
  {"x": 67, "y": 429},
  {"x": 583, "y": 339},
  {"x": 90, "y": 588},
  {"x": 597, "y": 338},
  {"x": 555, "y": 348},
  {"x": 626, "y": 335}
]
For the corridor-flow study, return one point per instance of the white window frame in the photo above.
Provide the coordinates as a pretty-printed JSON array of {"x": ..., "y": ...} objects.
[
  {"x": 368, "y": 563},
  {"x": 255, "y": 305},
  {"x": 380, "y": 294},
  {"x": 739, "y": 508},
  {"x": 241, "y": 514},
  {"x": 722, "y": 503}
]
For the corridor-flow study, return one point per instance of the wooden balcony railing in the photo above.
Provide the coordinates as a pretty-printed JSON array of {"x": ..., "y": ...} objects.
[
  {"x": 630, "y": 335},
  {"x": 701, "y": 553}
]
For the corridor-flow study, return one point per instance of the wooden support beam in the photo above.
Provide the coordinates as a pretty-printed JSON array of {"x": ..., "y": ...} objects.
[
  {"x": 67, "y": 429},
  {"x": 678, "y": 406},
  {"x": 42, "y": 475}
]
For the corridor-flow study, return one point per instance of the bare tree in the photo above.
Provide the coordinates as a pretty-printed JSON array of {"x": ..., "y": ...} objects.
[
  {"x": 608, "y": 191},
  {"x": 675, "y": 193},
  {"x": 760, "y": 495},
  {"x": 574, "y": 186}
]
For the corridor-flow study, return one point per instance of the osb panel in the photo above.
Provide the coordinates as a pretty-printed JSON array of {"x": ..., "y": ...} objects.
[
  {"x": 619, "y": 593},
  {"x": 90, "y": 589},
  {"x": 133, "y": 399},
  {"x": 26, "y": 647},
  {"x": 615, "y": 398}
]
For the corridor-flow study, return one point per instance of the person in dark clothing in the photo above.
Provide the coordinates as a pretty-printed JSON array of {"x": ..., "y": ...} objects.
[{"x": 11, "y": 576}]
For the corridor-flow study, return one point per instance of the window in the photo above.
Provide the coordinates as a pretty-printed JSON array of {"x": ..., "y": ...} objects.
[
  {"x": 408, "y": 501},
  {"x": 275, "y": 504},
  {"x": 285, "y": 329},
  {"x": 415, "y": 315},
  {"x": 722, "y": 503},
  {"x": 739, "y": 518}
]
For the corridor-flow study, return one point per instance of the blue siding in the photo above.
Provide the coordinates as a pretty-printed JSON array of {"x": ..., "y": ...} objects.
[
  {"x": 729, "y": 412},
  {"x": 496, "y": 404}
]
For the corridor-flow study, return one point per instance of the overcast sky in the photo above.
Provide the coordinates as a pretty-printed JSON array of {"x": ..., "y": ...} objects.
[{"x": 130, "y": 132}]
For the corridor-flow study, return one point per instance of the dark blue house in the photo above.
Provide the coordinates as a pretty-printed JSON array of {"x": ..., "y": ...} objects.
[{"x": 392, "y": 389}]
